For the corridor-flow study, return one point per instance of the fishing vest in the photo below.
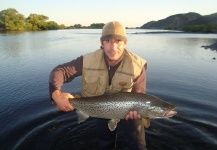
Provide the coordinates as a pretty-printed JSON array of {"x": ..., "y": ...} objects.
[{"x": 95, "y": 77}]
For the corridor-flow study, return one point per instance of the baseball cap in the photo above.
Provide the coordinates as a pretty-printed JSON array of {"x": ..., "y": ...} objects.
[{"x": 113, "y": 30}]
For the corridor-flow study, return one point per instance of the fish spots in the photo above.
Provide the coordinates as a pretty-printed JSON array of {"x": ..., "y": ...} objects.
[{"x": 118, "y": 105}]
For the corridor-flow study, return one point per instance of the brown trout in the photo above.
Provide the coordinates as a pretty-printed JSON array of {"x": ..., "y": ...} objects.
[{"x": 117, "y": 106}]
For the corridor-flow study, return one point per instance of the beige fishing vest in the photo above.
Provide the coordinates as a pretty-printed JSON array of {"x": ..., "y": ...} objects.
[{"x": 95, "y": 78}]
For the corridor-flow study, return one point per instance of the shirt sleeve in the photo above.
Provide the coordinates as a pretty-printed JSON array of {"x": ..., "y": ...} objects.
[
  {"x": 65, "y": 73},
  {"x": 140, "y": 82}
]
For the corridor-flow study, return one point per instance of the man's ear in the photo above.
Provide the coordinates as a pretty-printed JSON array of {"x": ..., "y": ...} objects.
[
  {"x": 101, "y": 45},
  {"x": 125, "y": 44}
]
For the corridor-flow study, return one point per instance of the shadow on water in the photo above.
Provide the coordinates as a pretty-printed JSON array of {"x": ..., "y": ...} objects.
[
  {"x": 179, "y": 133},
  {"x": 44, "y": 127}
]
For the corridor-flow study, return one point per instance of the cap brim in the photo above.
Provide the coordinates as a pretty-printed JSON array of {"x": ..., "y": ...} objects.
[{"x": 112, "y": 36}]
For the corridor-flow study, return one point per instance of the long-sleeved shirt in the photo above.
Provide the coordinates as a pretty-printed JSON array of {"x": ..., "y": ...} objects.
[{"x": 67, "y": 72}]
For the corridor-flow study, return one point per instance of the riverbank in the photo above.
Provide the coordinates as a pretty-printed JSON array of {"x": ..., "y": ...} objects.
[{"x": 213, "y": 47}]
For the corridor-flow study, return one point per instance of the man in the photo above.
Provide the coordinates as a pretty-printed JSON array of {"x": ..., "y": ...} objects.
[{"x": 110, "y": 69}]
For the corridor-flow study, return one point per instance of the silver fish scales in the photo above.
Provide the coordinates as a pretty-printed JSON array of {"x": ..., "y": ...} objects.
[{"x": 117, "y": 106}]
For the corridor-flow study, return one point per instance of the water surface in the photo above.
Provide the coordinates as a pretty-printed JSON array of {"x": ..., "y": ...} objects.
[{"x": 179, "y": 71}]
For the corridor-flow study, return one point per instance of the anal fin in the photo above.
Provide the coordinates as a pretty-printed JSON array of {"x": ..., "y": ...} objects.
[
  {"x": 81, "y": 116},
  {"x": 146, "y": 122},
  {"x": 112, "y": 124}
]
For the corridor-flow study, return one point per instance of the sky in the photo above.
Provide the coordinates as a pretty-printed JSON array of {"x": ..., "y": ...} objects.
[{"x": 132, "y": 13}]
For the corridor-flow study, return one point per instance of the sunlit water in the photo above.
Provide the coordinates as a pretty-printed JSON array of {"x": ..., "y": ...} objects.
[{"x": 180, "y": 71}]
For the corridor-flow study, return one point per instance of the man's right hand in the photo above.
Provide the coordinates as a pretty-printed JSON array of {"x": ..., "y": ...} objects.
[{"x": 62, "y": 100}]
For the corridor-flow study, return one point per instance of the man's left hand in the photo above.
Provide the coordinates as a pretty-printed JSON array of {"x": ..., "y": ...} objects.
[{"x": 133, "y": 115}]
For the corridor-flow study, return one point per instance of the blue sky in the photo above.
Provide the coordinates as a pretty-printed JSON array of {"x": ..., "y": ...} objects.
[{"x": 132, "y": 13}]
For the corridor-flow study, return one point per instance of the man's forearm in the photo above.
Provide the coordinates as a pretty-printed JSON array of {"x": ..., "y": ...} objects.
[{"x": 64, "y": 73}]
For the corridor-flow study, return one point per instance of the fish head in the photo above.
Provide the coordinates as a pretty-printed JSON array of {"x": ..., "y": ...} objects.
[
  {"x": 157, "y": 108},
  {"x": 161, "y": 111}
]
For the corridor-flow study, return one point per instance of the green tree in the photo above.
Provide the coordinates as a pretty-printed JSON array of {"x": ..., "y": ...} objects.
[
  {"x": 205, "y": 28},
  {"x": 78, "y": 26},
  {"x": 28, "y": 26},
  {"x": 51, "y": 25},
  {"x": 97, "y": 25},
  {"x": 62, "y": 26},
  {"x": 38, "y": 21},
  {"x": 11, "y": 20}
]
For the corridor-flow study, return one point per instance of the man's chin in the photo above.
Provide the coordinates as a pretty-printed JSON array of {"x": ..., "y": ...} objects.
[{"x": 112, "y": 58}]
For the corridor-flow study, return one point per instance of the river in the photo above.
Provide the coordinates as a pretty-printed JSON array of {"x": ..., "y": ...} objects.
[{"x": 179, "y": 71}]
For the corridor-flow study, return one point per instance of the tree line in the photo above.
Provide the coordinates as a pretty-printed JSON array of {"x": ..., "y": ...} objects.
[
  {"x": 92, "y": 26},
  {"x": 12, "y": 20},
  {"x": 204, "y": 28},
  {"x": 200, "y": 28}
]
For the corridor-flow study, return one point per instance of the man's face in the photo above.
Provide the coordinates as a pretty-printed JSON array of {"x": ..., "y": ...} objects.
[{"x": 113, "y": 49}]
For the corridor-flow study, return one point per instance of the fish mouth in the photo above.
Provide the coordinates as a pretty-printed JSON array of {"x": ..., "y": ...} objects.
[{"x": 170, "y": 113}]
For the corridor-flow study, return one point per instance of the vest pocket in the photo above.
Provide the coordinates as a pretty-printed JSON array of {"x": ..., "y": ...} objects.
[
  {"x": 92, "y": 86},
  {"x": 122, "y": 82}
]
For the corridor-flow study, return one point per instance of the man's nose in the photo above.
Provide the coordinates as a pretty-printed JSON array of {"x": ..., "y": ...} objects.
[{"x": 113, "y": 44}]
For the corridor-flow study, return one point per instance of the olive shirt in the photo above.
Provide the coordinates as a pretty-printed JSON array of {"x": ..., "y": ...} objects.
[{"x": 67, "y": 72}]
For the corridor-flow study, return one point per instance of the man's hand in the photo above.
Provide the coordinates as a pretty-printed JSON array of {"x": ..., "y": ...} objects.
[
  {"x": 133, "y": 115},
  {"x": 62, "y": 100}
]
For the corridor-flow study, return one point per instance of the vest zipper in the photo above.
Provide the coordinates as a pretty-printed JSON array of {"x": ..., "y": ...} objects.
[{"x": 109, "y": 75}]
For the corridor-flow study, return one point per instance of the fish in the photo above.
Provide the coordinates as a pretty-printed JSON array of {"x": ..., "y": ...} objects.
[{"x": 116, "y": 106}]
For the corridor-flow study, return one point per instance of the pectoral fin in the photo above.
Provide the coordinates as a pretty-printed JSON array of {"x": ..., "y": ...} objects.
[
  {"x": 112, "y": 124},
  {"x": 146, "y": 122},
  {"x": 81, "y": 116},
  {"x": 77, "y": 96}
]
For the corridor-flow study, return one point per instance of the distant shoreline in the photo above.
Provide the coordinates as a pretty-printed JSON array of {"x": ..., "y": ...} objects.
[{"x": 172, "y": 32}]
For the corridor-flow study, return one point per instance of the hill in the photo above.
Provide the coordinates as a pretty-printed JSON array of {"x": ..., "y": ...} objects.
[
  {"x": 179, "y": 21},
  {"x": 208, "y": 19}
]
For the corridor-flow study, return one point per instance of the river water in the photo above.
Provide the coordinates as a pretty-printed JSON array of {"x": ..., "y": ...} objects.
[{"x": 179, "y": 71}]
